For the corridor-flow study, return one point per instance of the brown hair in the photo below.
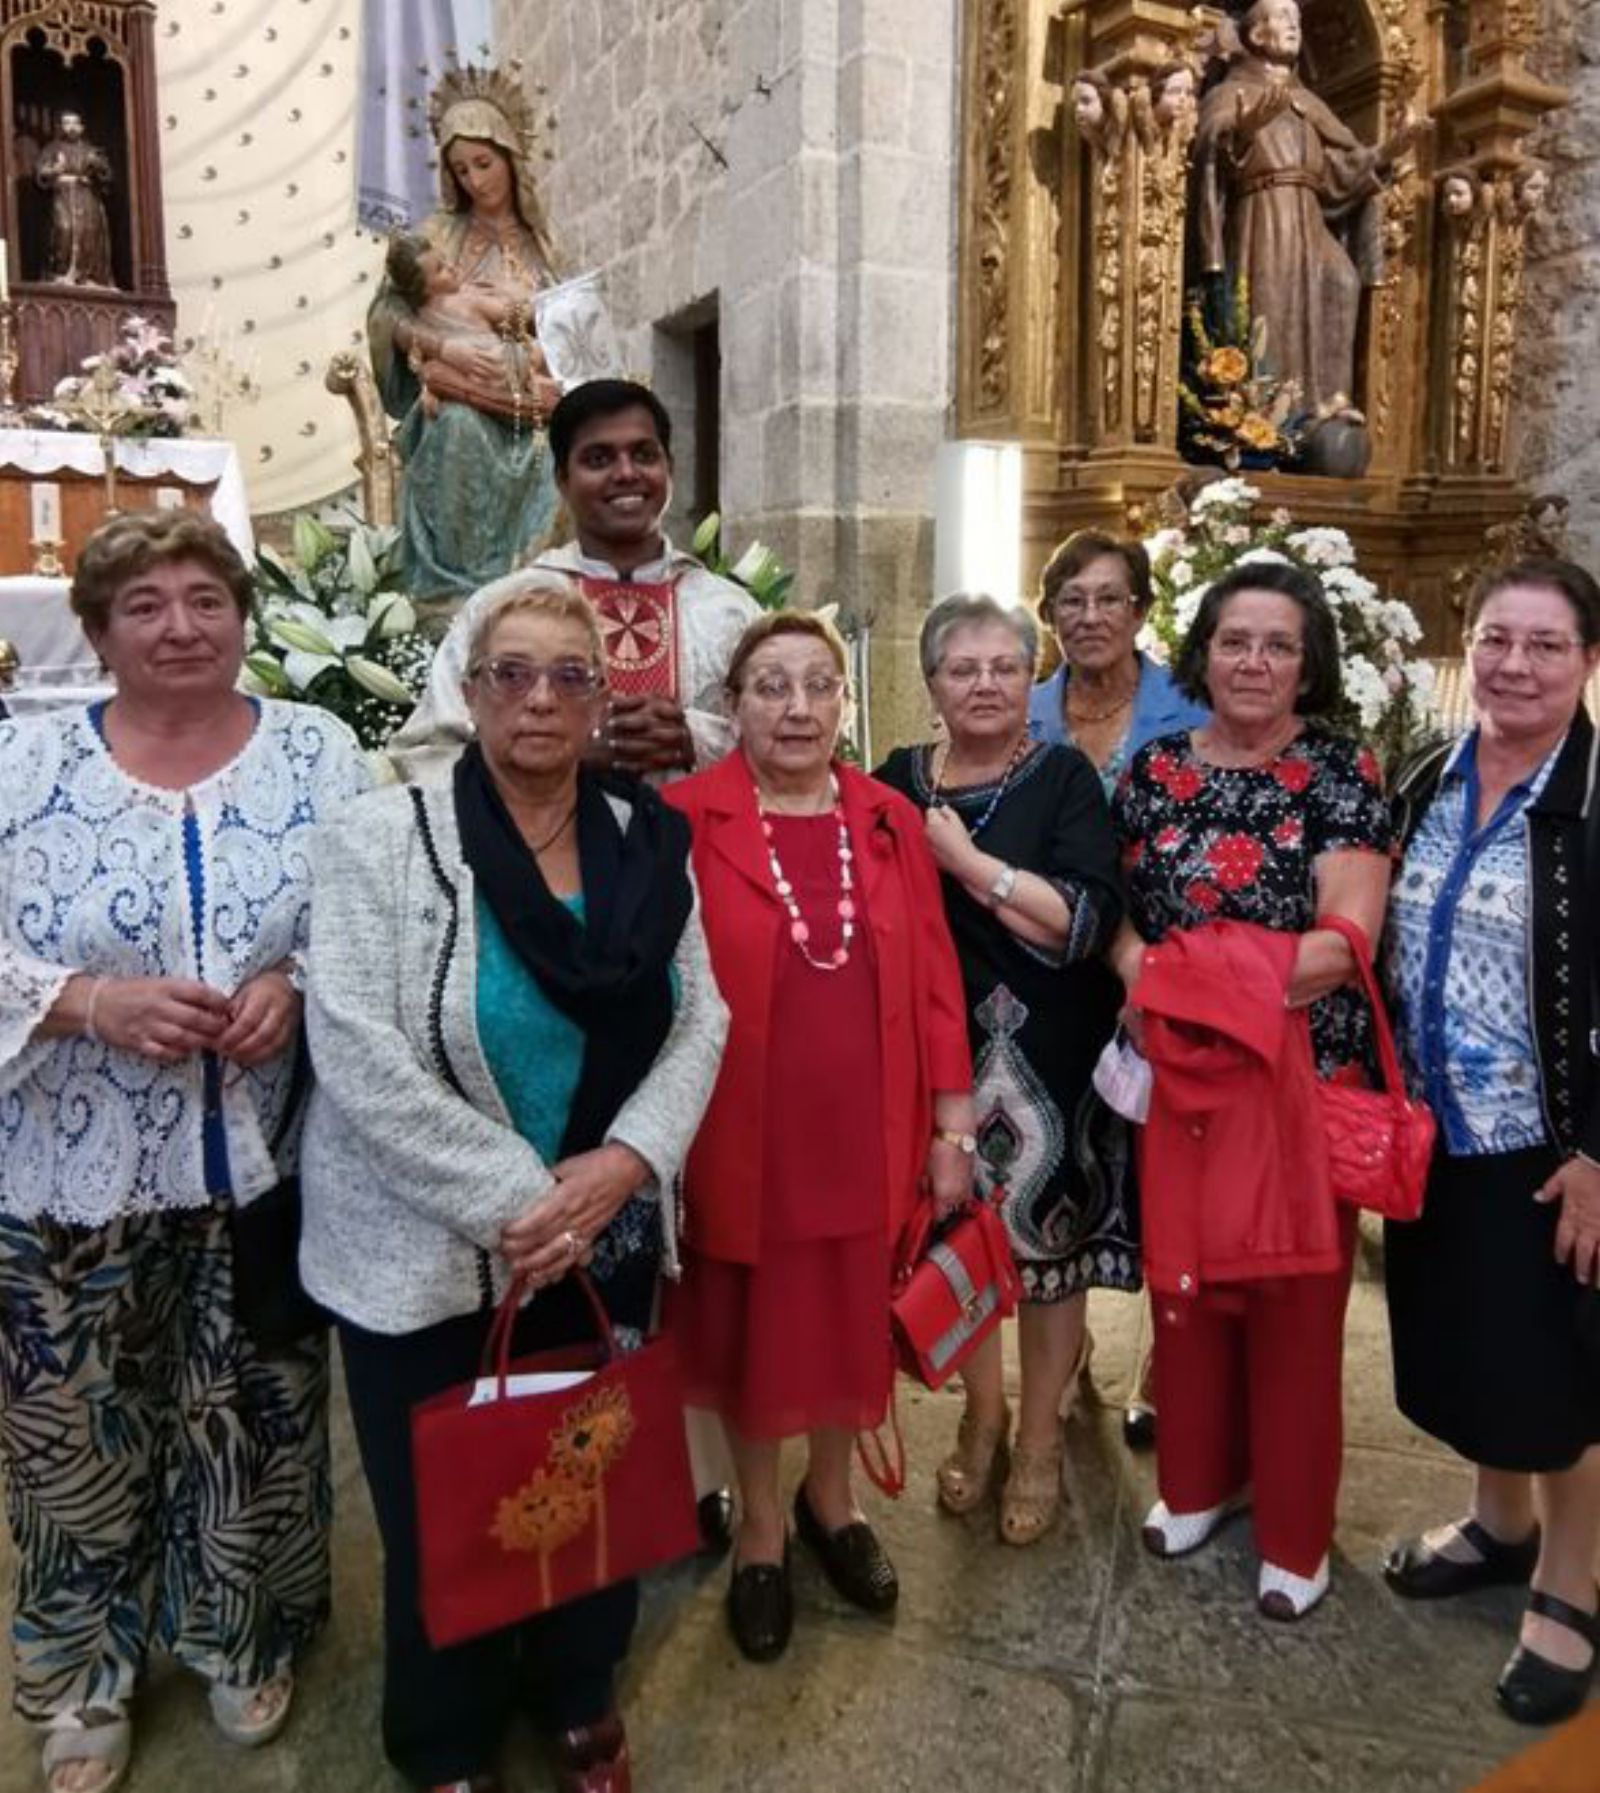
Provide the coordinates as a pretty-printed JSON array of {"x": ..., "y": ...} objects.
[
  {"x": 536, "y": 593},
  {"x": 784, "y": 622},
  {"x": 122, "y": 549},
  {"x": 1575, "y": 584},
  {"x": 1074, "y": 555}
]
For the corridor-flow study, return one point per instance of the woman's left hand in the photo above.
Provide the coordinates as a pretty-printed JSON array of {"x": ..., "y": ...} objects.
[
  {"x": 263, "y": 1019},
  {"x": 1576, "y": 1185},
  {"x": 949, "y": 1176},
  {"x": 558, "y": 1231},
  {"x": 948, "y": 840}
]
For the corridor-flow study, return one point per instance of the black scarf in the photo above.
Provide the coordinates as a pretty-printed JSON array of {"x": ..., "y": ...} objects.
[{"x": 610, "y": 973}]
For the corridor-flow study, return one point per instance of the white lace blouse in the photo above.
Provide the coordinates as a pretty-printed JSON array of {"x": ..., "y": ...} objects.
[{"x": 102, "y": 874}]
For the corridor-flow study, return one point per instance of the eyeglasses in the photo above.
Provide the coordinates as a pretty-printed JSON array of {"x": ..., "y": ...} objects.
[
  {"x": 1074, "y": 604},
  {"x": 819, "y": 688},
  {"x": 964, "y": 674},
  {"x": 1541, "y": 650},
  {"x": 1276, "y": 650},
  {"x": 514, "y": 680}
]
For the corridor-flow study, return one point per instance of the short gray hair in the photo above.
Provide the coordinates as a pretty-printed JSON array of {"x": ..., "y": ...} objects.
[
  {"x": 541, "y": 591},
  {"x": 963, "y": 609}
]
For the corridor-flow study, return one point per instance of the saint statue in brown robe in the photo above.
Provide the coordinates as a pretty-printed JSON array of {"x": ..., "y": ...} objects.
[
  {"x": 76, "y": 174},
  {"x": 1285, "y": 195}
]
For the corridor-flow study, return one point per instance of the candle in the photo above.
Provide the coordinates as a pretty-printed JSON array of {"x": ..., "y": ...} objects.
[
  {"x": 45, "y": 502},
  {"x": 5, "y": 273}
]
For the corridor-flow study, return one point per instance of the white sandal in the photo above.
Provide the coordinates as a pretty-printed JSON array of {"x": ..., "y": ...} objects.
[
  {"x": 1283, "y": 1595},
  {"x": 95, "y": 1739},
  {"x": 1169, "y": 1534},
  {"x": 252, "y": 1716}
]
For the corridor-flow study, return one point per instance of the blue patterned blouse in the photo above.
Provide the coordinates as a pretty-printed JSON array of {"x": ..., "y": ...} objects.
[
  {"x": 104, "y": 875},
  {"x": 1457, "y": 955}
]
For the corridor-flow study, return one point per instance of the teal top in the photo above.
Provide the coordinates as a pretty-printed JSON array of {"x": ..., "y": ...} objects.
[{"x": 533, "y": 1051}]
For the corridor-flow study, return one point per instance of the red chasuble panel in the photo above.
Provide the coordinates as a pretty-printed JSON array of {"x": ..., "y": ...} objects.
[{"x": 639, "y": 625}]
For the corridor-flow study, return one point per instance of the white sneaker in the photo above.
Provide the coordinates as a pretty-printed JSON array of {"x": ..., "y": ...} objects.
[
  {"x": 1281, "y": 1595},
  {"x": 1167, "y": 1534}
]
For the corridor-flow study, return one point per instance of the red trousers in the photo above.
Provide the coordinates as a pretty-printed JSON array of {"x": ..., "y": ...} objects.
[{"x": 1250, "y": 1391}]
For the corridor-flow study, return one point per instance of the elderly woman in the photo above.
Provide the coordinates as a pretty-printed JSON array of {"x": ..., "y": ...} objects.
[
  {"x": 515, "y": 1032},
  {"x": 167, "y": 1483},
  {"x": 1492, "y": 951},
  {"x": 845, "y": 1090},
  {"x": 471, "y": 409},
  {"x": 1028, "y": 869},
  {"x": 1108, "y": 700},
  {"x": 1237, "y": 836}
]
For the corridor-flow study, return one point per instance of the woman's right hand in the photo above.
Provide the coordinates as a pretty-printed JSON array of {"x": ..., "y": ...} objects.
[{"x": 164, "y": 1018}]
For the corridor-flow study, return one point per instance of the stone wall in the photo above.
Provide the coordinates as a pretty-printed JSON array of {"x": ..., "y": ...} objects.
[
  {"x": 1557, "y": 415},
  {"x": 787, "y": 166}
]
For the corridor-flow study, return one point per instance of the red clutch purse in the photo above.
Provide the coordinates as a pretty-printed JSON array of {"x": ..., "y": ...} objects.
[
  {"x": 527, "y": 1500},
  {"x": 1380, "y": 1142},
  {"x": 951, "y": 1292}
]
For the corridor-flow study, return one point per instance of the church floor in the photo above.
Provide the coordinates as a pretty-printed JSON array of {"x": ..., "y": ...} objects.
[{"x": 1080, "y": 1666}]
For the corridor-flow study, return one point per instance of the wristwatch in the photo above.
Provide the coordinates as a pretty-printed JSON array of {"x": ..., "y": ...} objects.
[
  {"x": 963, "y": 1142},
  {"x": 1000, "y": 891}
]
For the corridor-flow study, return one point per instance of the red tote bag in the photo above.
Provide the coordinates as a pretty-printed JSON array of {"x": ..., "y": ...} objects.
[{"x": 528, "y": 1500}]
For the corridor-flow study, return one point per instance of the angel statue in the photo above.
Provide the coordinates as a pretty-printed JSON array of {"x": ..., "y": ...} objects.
[
  {"x": 454, "y": 349},
  {"x": 1285, "y": 196}
]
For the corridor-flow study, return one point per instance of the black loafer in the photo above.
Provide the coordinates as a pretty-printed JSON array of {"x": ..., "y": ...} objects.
[
  {"x": 761, "y": 1608},
  {"x": 852, "y": 1558},
  {"x": 1139, "y": 1428},
  {"x": 1536, "y": 1691},
  {"x": 715, "y": 1514},
  {"x": 1418, "y": 1573}
]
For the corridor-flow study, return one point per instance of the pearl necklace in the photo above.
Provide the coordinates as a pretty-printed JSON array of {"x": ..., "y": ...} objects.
[
  {"x": 799, "y": 929},
  {"x": 974, "y": 829}
]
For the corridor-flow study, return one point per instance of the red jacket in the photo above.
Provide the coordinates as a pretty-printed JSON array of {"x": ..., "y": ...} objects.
[
  {"x": 1233, "y": 1171},
  {"x": 921, "y": 1013}
]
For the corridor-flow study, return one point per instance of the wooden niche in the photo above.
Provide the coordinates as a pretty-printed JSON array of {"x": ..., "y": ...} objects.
[
  {"x": 1079, "y": 252},
  {"x": 94, "y": 58}
]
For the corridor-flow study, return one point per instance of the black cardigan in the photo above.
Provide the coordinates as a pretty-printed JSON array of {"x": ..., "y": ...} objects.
[{"x": 1564, "y": 871}]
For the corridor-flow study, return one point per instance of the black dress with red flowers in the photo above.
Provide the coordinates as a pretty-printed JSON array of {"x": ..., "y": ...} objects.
[{"x": 1211, "y": 843}]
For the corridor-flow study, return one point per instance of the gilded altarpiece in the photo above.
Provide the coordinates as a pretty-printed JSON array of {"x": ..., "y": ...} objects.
[{"x": 1079, "y": 253}]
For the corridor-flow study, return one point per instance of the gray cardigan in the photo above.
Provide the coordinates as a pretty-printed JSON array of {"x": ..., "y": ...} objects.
[{"x": 406, "y": 1184}]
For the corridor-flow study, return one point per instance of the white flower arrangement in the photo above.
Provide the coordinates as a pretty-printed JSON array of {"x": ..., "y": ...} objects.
[
  {"x": 1388, "y": 695},
  {"x": 336, "y": 630}
]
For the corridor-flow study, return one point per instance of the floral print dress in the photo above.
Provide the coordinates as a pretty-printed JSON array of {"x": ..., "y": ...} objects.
[{"x": 1205, "y": 843}]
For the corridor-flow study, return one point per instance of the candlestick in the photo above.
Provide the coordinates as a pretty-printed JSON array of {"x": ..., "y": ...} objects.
[{"x": 5, "y": 274}]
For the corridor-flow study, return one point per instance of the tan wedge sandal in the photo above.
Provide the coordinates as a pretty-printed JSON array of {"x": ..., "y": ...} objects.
[
  {"x": 977, "y": 1463},
  {"x": 1031, "y": 1498}
]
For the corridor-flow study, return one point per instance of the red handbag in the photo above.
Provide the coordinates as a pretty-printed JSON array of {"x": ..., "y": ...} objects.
[
  {"x": 526, "y": 1501},
  {"x": 951, "y": 1292},
  {"x": 1380, "y": 1142}
]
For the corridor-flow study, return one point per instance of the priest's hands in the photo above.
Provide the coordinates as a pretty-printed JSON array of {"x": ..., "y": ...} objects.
[{"x": 644, "y": 735}]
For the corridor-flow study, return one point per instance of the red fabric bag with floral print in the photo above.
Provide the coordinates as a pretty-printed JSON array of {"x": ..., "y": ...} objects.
[{"x": 526, "y": 1500}]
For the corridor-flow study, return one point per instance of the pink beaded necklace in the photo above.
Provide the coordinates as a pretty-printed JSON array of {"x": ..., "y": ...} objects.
[{"x": 799, "y": 929}]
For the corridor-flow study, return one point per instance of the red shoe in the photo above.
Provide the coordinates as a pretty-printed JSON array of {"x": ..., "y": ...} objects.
[{"x": 593, "y": 1758}]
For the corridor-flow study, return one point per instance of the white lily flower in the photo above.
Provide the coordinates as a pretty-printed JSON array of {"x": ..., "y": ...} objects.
[
  {"x": 301, "y": 636},
  {"x": 363, "y": 568},
  {"x": 705, "y": 536},
  {"x": 301, "y": 668},
  {"x": 391, "y": 614},
  {"x": 370, "y": 676},
  {"x": 753, "y": 563}
]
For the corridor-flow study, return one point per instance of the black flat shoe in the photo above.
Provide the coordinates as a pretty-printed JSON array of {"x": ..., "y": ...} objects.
[
  {"x": 1139, "y": 1428},
  {"x": 852, "y": 1558},
  {"x": 715, "y": 1514},
  {"x": 1536, "y": 1691},
  {"x": 1418, "y": 1573},
  {"x": 761, "y": 1608}
]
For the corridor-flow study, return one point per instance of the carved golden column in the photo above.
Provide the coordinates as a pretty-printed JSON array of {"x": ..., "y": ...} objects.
[
  {"x": 1486, "y": 198},
  {"x": 1008, "y": 385}
]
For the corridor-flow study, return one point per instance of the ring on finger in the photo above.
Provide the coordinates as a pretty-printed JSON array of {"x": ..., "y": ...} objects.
[{"x": 574, "y": 1244}]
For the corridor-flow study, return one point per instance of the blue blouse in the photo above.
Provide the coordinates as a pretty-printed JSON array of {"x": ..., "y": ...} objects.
[
  {"x": 1457, "y": 956},
  {"x": 1159, "y": 708}
]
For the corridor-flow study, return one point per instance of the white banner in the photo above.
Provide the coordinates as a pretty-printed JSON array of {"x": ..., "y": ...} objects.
[{"x": 404, "y": 44}]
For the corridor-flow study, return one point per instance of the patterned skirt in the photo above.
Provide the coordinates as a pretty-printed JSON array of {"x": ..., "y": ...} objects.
[{"x": 165, "y": 1485}]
